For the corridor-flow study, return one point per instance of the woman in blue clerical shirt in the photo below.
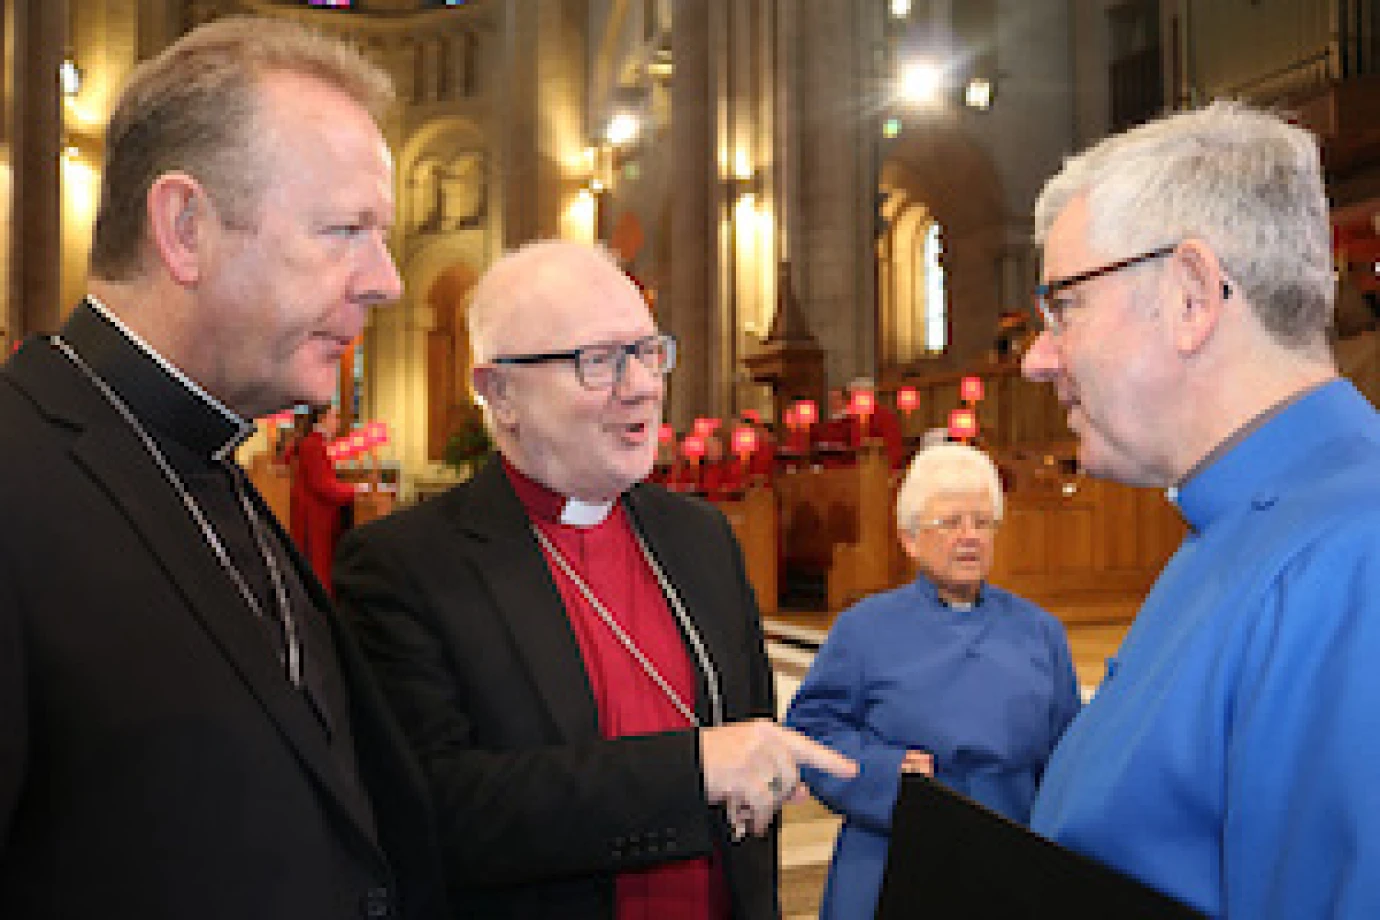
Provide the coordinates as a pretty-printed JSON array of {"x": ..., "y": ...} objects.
[{"x": 946, "y": 675}]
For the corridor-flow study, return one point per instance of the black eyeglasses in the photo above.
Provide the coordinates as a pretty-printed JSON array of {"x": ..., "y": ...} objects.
[
  {"x": 1052, "y": 309},
  {"x": 600, "y": 367}
]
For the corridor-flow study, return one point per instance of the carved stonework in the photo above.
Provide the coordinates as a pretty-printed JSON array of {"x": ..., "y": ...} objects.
[
  {"x": 431, "y": 53},
  {"x": 447, "y": 192}
]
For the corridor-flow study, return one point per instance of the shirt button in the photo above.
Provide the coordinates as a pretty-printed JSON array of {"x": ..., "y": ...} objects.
[{"x": 377, "y": 904}]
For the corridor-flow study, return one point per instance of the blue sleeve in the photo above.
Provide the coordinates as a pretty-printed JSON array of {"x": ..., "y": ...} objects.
[
  {"x": 829, "y": 707},
  {"x": 1067, "y": 699},
  {"x": 1302, "y": 831}
]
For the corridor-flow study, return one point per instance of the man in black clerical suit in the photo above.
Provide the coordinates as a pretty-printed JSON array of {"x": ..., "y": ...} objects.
[
  {"x": 184, "y": 733},
  {"x": 577, "y": 657}
]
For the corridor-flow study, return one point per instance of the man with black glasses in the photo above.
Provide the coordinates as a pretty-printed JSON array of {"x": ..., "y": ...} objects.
[
  {"x": 1229, "y": 756},
  {"x": 577, "y": 657}
]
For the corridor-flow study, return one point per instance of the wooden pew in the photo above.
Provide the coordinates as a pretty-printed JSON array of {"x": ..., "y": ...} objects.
[
  {"x": 842, "y": 522},
  {"x": 1071, "y": 540},
  {"x": 754, "y": 519},
  {"x": 1085, "y": 548}
]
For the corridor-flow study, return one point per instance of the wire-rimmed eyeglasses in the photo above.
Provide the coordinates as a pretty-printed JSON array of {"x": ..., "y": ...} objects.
[
  {"x": 953, "y": 523},
  {"x": 1052, "y": 308},
  {"x": 602, "y": 366}
]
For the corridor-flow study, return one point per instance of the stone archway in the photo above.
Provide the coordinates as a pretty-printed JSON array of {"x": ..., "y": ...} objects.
[
  {"x": 938, "y": 175},
  {"x": 450, "y": 402}
]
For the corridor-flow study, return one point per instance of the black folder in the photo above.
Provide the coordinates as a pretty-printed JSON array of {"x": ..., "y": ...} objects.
[{"x": 951, "y": 857}]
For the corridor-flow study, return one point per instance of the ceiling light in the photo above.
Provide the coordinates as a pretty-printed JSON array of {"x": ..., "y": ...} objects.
[
  {"x": 921, "y": 83},
  {"x": 622, "y": 129},
  {"x": 978, "y": 94}
]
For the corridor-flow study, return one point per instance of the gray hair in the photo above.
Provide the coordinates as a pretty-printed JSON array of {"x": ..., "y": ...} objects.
[
  {"x": 1242, "y": 180},
  {"x": 519, "y": 280},
  {"x": 945, "y": 469}
]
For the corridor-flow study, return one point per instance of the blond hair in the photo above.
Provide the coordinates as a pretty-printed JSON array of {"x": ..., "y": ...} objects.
[{"x": 194, "y": 109}]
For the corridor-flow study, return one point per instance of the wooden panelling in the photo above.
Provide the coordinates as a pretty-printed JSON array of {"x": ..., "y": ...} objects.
[
  {"x": 755, "y": 522},
  {"x": 1067, "y": 541},
  {"x": 1014, "y": 412},
  {"x": 842, "y": 521},
  {"x": 1089, "y": 537}
]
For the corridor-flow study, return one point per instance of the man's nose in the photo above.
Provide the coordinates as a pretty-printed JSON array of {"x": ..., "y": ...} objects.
[
  {"x": 1041, "y": 362},
  {"x": 637, "y": 381},
  {"x": 379, "y": 278}
]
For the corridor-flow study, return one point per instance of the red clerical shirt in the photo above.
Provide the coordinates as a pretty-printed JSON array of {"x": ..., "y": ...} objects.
[{"x": 607, "y": 557}]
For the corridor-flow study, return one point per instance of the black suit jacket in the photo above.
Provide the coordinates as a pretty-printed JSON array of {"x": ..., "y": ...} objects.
[
  {"x": 154, "y": 760},
  {"x": 456, "y": 609}
]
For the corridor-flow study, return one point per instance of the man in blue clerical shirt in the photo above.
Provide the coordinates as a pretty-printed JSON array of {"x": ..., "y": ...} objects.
[{"x": 1229, "y": 757}]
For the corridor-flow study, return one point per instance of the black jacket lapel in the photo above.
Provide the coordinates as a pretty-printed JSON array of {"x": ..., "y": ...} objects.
[
  {"x": 111, "y": 454},
  {"x": 685, "y": 569},
  {"x": 492, "y": 518}
]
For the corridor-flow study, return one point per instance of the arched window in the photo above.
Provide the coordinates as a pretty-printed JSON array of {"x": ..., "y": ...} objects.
[
  {"x": 914, "y": 303},
  {"x": 931, "y": 267}
]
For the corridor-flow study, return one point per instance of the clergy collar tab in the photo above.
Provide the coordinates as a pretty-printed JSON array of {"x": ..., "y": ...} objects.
[
  {"x": 584, "y": 514},
  {"x": 158, "y": 393},
  {"x": 545, "y": 504}
]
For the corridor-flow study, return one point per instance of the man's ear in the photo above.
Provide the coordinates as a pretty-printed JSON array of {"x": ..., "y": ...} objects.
[
  {"x": 1203, "y": 293},
  {"x": 179, "y": 211},
  {"x": 493, "y": 387}
]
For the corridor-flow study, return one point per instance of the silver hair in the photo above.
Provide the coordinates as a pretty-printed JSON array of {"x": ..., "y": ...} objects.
[
  {"x": 517, "y": 282},
  {"x": 1242, "y": 180},
  {"x": 945, "y": 469}
]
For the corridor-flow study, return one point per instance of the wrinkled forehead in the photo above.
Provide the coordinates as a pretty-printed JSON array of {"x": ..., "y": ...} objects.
[{"x": 567, "y": 306}]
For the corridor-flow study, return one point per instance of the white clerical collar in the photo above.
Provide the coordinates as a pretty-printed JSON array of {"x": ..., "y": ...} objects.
[{"x": 584, "y": 514}]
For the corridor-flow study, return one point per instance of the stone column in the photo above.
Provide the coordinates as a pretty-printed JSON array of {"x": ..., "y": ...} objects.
[
  {"x": 835, "y": 218},
  {"x": 515, "y": 166},
  {"x": 691, "y": 302},
  {"x": 40, "y": 35},
  {"x": 541, "y": 99}
]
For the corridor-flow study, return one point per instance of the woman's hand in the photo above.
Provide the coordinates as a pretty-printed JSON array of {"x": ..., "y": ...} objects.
[{"x": 918, "y": 760}]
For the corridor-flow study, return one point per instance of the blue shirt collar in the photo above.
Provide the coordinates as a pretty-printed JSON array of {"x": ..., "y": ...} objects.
[
  {"x": 930, "y": 593},
  {"x": 1258, "y": 467}
]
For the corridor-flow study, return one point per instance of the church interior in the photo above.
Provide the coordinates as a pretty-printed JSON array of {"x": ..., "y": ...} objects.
[{"x": 828, "y": 204}]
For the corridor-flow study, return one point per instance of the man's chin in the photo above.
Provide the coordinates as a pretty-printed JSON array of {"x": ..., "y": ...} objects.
[
  {"x": 1090, "y": 463},
  {"x": 636, "y": 474},
  {"x": 315, "y": 389}
]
